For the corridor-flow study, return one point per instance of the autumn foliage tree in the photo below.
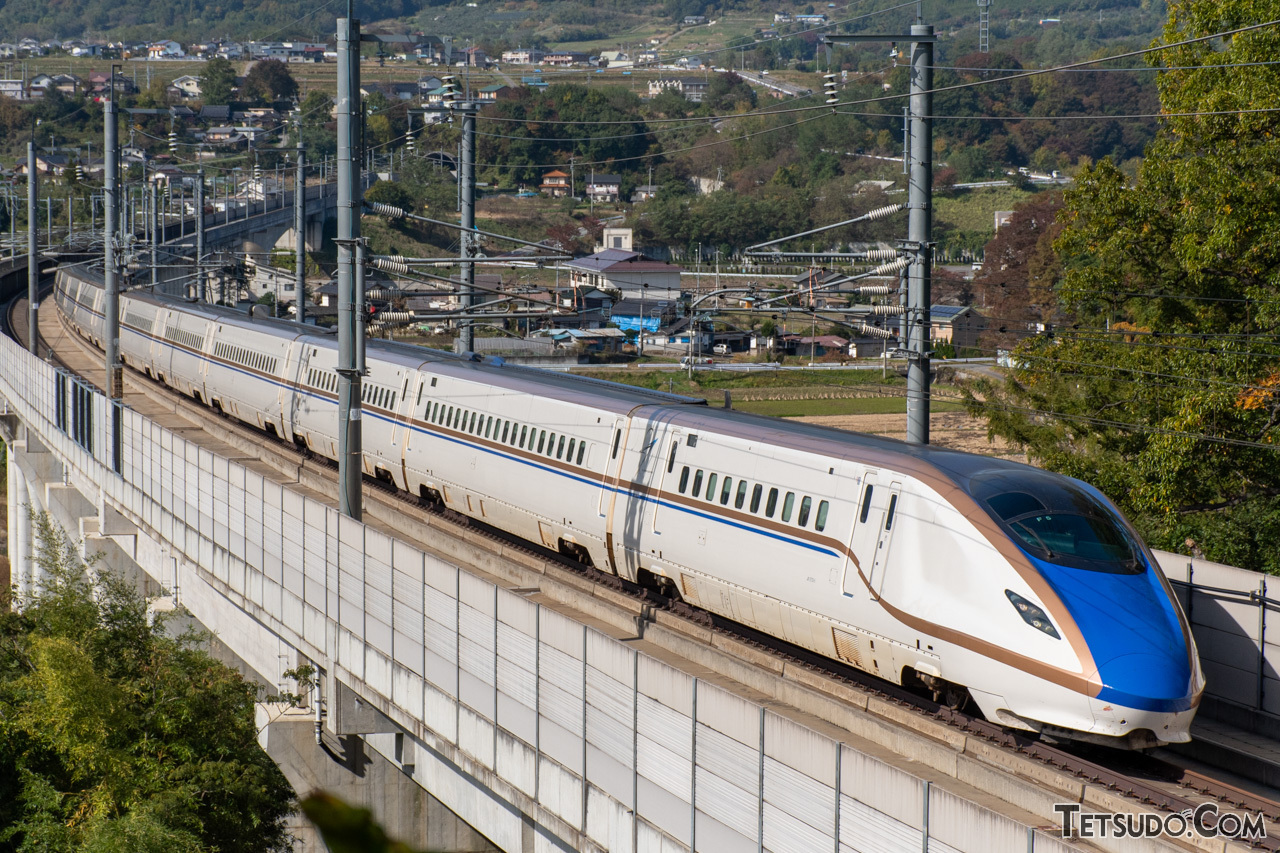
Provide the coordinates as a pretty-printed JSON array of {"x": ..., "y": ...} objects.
[{"x": 1163, "y": 387}]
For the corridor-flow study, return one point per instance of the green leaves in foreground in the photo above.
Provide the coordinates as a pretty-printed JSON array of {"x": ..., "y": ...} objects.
[
  {"x": 115, "y": 736},
  {"x": 347, "y": 829},
  {"x": 1161, "y": 382}
]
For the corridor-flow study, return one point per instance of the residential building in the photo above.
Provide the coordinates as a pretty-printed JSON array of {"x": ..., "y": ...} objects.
[
  {"x": 694, "y": 20},
  {"x": 188, "y": 85},
  {"x": 523, "y": 56},
  {"x": 565, "y": 58},
  {"x": 604, "y": 188},
  {"x": 957, "y": 325},
  {"x": 615, "y": 238},
  {"x": 782, "y": 17},
  {"x": 644, "y": 192},
  {"x": 167, "y": 49},
  {"x": 810, "y": 19},
  {"x": 475, "y": 57},
  {"x": 556, "y": 184},
  {"x": 615, "y": 59},
  {"x": 629, "y": 273},
  {"x": 16, "y": 89},
  {"x": 496, "y": 92}
]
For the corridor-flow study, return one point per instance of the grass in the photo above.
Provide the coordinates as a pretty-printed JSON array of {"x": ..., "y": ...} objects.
[{"x": 974, "y": 210}]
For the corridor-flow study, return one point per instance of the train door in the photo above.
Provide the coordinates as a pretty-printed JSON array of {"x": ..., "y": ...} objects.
[
  {"x": 884, "y": 536},
  {"x": 612, "y": 466},
  {"x": 866, "y": 524},
  {"x": 668, "y": 477},
  {"x": 296, "y": 375}
]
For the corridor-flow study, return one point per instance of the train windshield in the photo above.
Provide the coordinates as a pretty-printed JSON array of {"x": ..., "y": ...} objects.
[{"x": 1057, "y": 520}]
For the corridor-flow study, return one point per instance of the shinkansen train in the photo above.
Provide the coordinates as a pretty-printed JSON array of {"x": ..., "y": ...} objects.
[{"x": 975, "y": 577}]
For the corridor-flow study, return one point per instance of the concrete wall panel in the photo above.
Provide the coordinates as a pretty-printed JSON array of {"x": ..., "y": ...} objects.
[
  {"x": 881, "y": 787},
  {"x": 801, "y": 797},
  {"x": 865, "y": 830},
  {"x": 517, "y": 762},
  {"x": 968, "y": 826}
]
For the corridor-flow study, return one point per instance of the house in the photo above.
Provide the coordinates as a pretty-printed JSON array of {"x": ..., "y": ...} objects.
[
  {"x": 693, "y": 20},
  {"x": 629, "y": 273},
  {"x": 215, "y": 113},
  {"x": 782, "y": 17},
  {"x": 16, "y": 89},
  {"x": 523, "y": 56},
  {"x": 166, "y": 49},
  {"x": 679, "y": 337},
  {"x": 30, "y": 47},
  {"x": 496, "y": 92},
  {"x": 475, "y": 57},
  {"x": 615, "y": 238},
  {"x": 392, "y": 91},
  {"x": 957, "y": 325},
  {"x": 644, "y": 315},
  {"x": 644, "y": 192},
  {"x": 188, "y": 85},
  {"x": 434, "y": 49},
  {"x": 817, "y": 347},
  {"x": 556, "y": 184},
  {"x": 648, "y": 57},
  {"x": 615, "y": 59},
  {"x": 427, "y": 83},
  {"x": 810, "y": 19},
  {"x": 52, "y": 164},
  {"x": 535, "y": 82},
  {"x": 604, "y": 188},
  {"x": 565, "y": 58}
]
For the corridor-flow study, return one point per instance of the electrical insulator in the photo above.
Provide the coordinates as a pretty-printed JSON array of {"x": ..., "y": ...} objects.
[
  {"x": 173, "y": 142},
  {"x": 829, "y": 88},
  {"x": 450, "y": 90}
]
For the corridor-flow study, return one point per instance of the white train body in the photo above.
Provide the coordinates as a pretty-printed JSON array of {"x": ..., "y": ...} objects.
[{"x": 894, "y": 558}]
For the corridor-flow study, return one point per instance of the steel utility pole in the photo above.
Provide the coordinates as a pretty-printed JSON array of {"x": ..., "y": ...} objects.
[
  {"x": 915, "y": 326},
  {"x": 349, "y": 378},
  {"x": 468, "y": 180},
  {"x": 920, "y": 233},
  {"x": 110, "y": 229},
  {"x": 155, "y": 233},
  {"x": 300, "y": 231},
  {"x": 33, "y": 263},
  {"x": 200, "y": 278}
]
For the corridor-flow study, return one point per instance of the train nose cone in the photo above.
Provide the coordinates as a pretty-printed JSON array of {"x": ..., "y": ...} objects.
[{"x": 1148, "y": 681}]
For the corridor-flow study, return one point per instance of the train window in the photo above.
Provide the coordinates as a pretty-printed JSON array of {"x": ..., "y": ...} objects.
[
  {"x": 448, "y": 418},
  {"x": 572, "y": 441},
  {"x": 671, "y": 457},
  {"x": 488, "y": 426},
  {"x": 772, "y": 504},
  {"x": 866, "y": 505},
  {"x": 582, "y": 450},
  {"x": 617, "y": 438},
  {"x": 805, "y": 505},
  {"x": 820, "y": 523},
  {"x": 524, "y": 431},
  {"x": 788, "y": 504},
  {"x": 684, "y": 479},
  {"x": 433, "y": 381},
  {"x": 551, "y": 445},
  {"x": 506, "y": 428},
  {"x": 888, "y": 516},
  {"x": 711, "y": 487},
  {"x": 742, "y": 495},
  {"x": 755, "y": 497},
  {"x": 726, "y": 490},
  {"x": 560, "y": 449},
  {"x": 421, "y": 385},
  {"x": 542, "y": 439},
  {"x": 472, "y": 425}
]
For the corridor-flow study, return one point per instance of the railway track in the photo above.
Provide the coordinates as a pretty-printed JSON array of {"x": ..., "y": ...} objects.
[{"x": 1143, "y": 779}]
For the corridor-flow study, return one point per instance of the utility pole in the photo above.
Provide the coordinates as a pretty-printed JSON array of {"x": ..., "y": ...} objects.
[
  {"x": 200, "y": 279},
  {"x": 299, "y": 230},
  {"x": 349, "y": 377},
  {"x": 915, "y": 330},
  {"x": 468, "y": 179},
  {"x": 33, "y": 263},
  {"x": 920, "y": 233},
  {"x": 155, "y": 234},
  {"x": 111, "y": 283}
]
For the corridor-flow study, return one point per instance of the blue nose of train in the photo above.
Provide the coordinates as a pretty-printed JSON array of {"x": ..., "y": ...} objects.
[{"x": 1134, "y": 633}]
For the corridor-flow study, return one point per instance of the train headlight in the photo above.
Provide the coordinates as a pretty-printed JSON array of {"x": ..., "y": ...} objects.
[{"x": 1032, "y": 615}]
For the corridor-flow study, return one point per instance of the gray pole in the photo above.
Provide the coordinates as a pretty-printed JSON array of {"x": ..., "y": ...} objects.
[
  {"x": 361, "y": 312},
  {"x": 110, "y": 229},
  {"x": 468, "y": 180},
  {"x": 155, "y": 234},
  {"x": 33, "y": 264},
  {"x": 300, "y": 232},
  {"x": 200, "y": 279},
  {"x": 349, "y": 408},
  {"x": 71, "y": 225},
  {"x": 920, "y": 234}
]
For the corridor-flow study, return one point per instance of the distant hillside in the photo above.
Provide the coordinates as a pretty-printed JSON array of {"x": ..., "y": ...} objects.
[{"x": 590, "y": 24}]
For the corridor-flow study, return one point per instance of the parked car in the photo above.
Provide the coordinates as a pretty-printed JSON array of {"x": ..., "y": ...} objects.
[
  {"x": 720, "y": 349},
  {"x": 686, "y": 360}
]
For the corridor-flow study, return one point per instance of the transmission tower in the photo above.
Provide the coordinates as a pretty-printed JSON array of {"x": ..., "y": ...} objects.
[{"x": 984, "y": 26}]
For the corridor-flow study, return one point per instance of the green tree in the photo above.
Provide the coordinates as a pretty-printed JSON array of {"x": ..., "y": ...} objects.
[
  {"x": 269, "y": 80},
  {"x": 218, "y": 81},
  {"x": 116, "y": 736},
  {"x": 1161, "y": 386}
]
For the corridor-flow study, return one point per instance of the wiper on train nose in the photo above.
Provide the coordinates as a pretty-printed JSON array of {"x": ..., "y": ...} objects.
[{"x": 1043, "y": 547}]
